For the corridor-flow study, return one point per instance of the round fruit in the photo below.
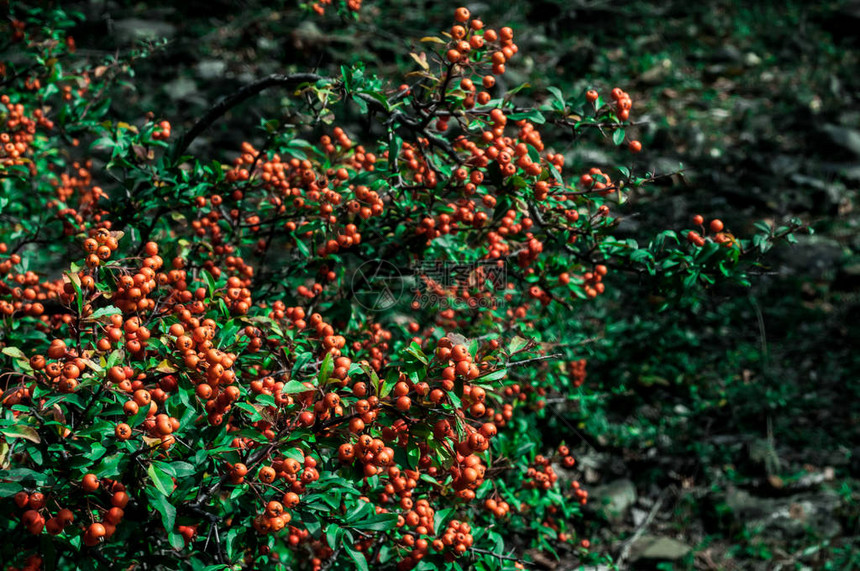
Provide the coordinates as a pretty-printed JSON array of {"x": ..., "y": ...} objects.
[
  {"x": 123, "y": 431},
  {"x": 90, "y": 483}
]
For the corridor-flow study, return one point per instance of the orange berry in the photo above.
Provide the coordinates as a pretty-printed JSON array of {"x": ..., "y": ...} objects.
[
  {"x": 90, "y": 483},
  {"x": 123, "y": 431}
]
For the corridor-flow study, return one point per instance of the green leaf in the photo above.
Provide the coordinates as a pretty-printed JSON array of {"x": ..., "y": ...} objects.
[
  {"x": 440, "y": 517},
  {"x": 292, "y": 387},
  {"x": 24, "y": 474},
  {"x": 383, "y": 101},
  {"x": 333, "y": 534},
  {"x": 532, "y": 115},
  {"x": 177, "y": 469},
  {"x": 160, "y": 479},
  {"x": 555, "y": 173},
  {"x": 267, "y": 400},
  {"x": 494, "y": 376},
  {"x": 708, "y": 250},
  {"x": 415, "y": 350},
  {"x": 105, "y": 312},
  {"x": 210, "y": 281},
  {"x": 386, "y": 387},
  {"x": 326, "y": 368},
  {"x": 362, "y": 105},
  {"x": 518, "y": 88},
  {"x": 164, "y": 507},
  {"x": 79, "y": 294},
  {"x": 374, "y": 378},
  {"x": 356, "y": 556},
  {"x": 95, "y": 451},
  {"x": 301, "y": 360},
  {"x": 176, "y": 540},
  {"x": 313, "y": 525},
  {"x": 115, "y": 357},
  {"x": 763, "y": 226},
  {"x": 556, "y": 92},
  {"x": 517, "y": 344},
  {"x": 15, "y": 353},
  {"x": 690, "y": 280},
  {"x": 251, "y": 410},
  {"x": 377, "y": 522},
  {"x": 22, "y": 431},
  {"x": 640, "y": 256},
  {"x": 109, "y": 465},
  {"x": 618, "y": 136},
  {"x": 9, "y": 489}
]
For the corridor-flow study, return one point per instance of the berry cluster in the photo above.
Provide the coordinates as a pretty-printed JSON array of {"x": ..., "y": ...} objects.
[
  {"x": 716, "y": 226},
  {"x": 201, "y": 369}
]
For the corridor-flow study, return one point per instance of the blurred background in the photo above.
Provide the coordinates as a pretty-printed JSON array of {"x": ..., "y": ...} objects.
[{"x": 723, "y": 432}]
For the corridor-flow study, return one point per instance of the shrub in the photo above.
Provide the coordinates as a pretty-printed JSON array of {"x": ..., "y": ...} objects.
[{"x": 212, "y": 365}]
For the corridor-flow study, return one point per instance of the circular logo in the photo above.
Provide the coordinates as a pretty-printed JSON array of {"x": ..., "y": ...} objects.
[{"x": 377, "y": 285}]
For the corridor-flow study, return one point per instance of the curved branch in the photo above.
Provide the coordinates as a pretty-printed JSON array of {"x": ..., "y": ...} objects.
[{"x": 244, "y": 93}]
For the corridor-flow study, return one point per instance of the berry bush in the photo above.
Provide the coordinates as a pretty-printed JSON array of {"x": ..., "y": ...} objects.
[{"x": 334, "y": 351}]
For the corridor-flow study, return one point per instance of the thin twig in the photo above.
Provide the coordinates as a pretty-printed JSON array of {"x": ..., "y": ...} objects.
[
  {"x": 628, "y": 543},
  {"x": 499, "y": 556},
  {"x": 533, "y": 360}
]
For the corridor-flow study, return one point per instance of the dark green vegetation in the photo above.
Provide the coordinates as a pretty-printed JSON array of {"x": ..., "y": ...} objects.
[
  {"x": 745, "y": 391},
  {"x": 731, "y": 411}
]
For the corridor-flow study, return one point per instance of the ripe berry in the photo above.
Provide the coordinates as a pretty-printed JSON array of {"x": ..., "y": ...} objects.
[
  {"x": 96, "y": 530},
  {"x": 22, "y": 499},
  {"x": 460, "y": 353},
  {"x": 123, "y": 431},
  {"x": 403, "y": 403},
  {"x": 119, "y": 499},
  {"x": 274, "y": 509},
  {"x": 90, "y": 483},
  {"x": 115, "y": 515},
  {"x": 267, "y": 474}
]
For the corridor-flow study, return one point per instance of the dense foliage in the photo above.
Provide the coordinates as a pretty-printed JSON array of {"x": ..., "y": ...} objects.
[{"x": 335, "y": 350}]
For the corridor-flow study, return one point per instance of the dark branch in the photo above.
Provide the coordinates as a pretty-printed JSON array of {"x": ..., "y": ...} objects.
[
  {"x": 533, "y": 360},
  {"x": 244, "y": 93}
]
